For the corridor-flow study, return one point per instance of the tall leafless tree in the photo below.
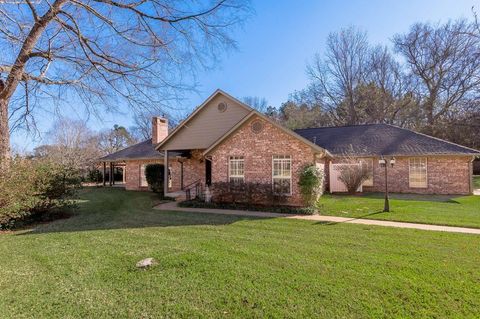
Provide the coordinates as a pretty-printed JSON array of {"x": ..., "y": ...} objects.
[
  {"x": 70, "y": 143},
  {"x": 445, "y": 61},
  {"x": 258, "y": 103},
  {"x": 336, "y": 75},
  {"x": 104, "y": 52}
]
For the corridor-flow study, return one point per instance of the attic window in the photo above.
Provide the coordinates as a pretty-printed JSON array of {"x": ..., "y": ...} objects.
[
  {"x": 222, "y": 106},
  {"x": 257, "y": 127}
]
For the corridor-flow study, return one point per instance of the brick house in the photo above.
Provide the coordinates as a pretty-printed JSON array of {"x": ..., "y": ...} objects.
[{"x": 226, "y": 140}]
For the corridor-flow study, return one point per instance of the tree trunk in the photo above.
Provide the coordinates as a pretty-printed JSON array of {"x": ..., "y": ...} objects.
[{"x": 4, "y": 133}]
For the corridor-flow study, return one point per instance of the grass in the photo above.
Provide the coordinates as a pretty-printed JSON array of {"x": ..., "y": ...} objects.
[
  {"x": 476, "y": 181},
  {"x": 428, "y": 209},
  {"x": 221, "y": 266}
]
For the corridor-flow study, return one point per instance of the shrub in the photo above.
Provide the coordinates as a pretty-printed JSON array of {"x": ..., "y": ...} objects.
[
  {"x": 246, "y": 193},
  {"x": 352, "y": 175},
  {"x": 32, "y": 188},
  {"x": 155, "y": 176},
  {"x": 95, "y": 176},
  {"x": 311, "y": 184}
]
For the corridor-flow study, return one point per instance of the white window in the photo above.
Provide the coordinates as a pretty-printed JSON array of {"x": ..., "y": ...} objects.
[
  {"x": 236, "y": 169},
  {"x": 368, "y": 162},
  {"x": 282, "y": 174},
  {"x": 143, "y": 177},
  {"x": 418, "y": 172}
]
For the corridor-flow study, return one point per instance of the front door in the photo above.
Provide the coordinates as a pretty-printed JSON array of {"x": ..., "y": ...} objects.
[{"x": 208, "y": 172}]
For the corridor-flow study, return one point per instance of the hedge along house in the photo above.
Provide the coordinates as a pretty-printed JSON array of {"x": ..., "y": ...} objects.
[{"x": 225, "y": 140}]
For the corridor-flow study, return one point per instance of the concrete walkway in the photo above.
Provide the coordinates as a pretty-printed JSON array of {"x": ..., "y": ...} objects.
[{"x": 172, "y": 206}]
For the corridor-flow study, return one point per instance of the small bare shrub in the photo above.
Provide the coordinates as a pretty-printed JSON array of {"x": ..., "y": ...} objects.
[{"x": 353, "y": 174}]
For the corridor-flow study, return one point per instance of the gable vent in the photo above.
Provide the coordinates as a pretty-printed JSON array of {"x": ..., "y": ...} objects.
[
  {"x": 222, "y": 106},
  {"x": 257, "y": 127}
]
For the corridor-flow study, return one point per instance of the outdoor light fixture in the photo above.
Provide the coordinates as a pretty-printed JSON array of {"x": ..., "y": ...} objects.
[
  {"x": 392, "y": 161},
  {"x": 383, "y": 163}
]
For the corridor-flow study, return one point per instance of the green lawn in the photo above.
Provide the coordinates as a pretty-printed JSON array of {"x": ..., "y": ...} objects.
[
  {"x": 476, "y": 181},
  {"x": 220, "y": 266},
  {"x": 428, "y": 209}
]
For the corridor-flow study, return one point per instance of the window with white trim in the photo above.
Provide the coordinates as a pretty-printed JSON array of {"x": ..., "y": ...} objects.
[
  {"x": 368, "y": 162},
  {"x": 417, "y": 172},
  {"x": 282, "y": 174},
  {"x": 143, "y": 177},
  {"x": 236, "y": 169}
]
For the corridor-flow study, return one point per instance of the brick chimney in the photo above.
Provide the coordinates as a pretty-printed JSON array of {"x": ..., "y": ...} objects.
[{"x": 159, "y": 129}]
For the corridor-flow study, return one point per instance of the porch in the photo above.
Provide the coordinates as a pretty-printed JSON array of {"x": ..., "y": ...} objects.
[
  {"x": 114, "y": 173},
  {"x": 189, "y": 173}
]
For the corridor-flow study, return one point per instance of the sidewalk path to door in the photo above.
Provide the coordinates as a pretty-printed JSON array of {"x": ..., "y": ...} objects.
[{"x": 172, "y": 206}]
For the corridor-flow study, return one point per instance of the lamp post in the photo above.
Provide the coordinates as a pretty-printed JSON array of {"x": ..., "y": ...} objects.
[{"x": 384, "y": 162}]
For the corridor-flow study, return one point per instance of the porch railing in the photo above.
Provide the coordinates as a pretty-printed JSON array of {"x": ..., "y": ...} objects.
[{"x": 194, "y": 190}]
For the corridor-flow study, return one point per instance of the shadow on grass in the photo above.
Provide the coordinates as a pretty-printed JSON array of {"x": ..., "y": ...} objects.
[
  {"x": 349, "y": 219},
  {"x": 111, "y": 209},
  {"x": 410, "y": 197}
]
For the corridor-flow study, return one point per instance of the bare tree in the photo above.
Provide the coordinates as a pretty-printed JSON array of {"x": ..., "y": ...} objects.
[
  {"x": 388, "y": 96},
  {"x": 302, "y": 110},
  {"x": 111, "y": 141},
  {"x": 70, "y": 143},
  {"x": 258, "y": 103},
  {"x": 445, "y": 62},
  {"x": 353, "y": 173},
  {"x": 142, "y": 128},
  {"x": 105, "y": 52},
  {"x": 336, "y": 76}
]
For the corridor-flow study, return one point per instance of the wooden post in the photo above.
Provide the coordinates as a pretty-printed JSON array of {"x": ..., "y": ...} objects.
[
  {"x": 104, "y": 172},
  {"x": 110, "y": 177},
  {"x": 181, "y": 175},
  {"x": 165, "y": 172}
]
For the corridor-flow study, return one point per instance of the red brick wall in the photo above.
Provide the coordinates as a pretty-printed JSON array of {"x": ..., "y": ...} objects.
[
  {"x": 193, "y": 170},
  {"x": 132, "y": 180},
  {"x": 257, "y": 150},
  {"x": 445, "y": 175}
]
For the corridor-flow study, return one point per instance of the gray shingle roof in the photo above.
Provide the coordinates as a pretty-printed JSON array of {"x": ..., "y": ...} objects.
[
  {"x": 142, "y": 150},
  {"x": 380, "y": 139}
]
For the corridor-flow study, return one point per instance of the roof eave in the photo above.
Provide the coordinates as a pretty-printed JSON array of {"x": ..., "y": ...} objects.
[{"x": 409, "y": 154}]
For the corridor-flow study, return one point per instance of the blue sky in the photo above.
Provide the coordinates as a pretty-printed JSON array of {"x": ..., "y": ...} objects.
[{"x": 281, "y": 38}]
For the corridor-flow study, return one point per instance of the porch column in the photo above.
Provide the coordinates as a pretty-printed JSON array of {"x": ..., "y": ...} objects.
[
  {"x": 104, "y": 172},
  {"x": 165, "y": 172},
  {"x": 124, "y": 178},
  {"x": 110, "y": 177}
]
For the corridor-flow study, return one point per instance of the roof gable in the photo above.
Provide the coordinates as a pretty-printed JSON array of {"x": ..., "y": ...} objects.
[
  {"x": 380, "y": 139},
  {"x": 253, "y": 113},
  {"x": 206, "y": 124}
]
